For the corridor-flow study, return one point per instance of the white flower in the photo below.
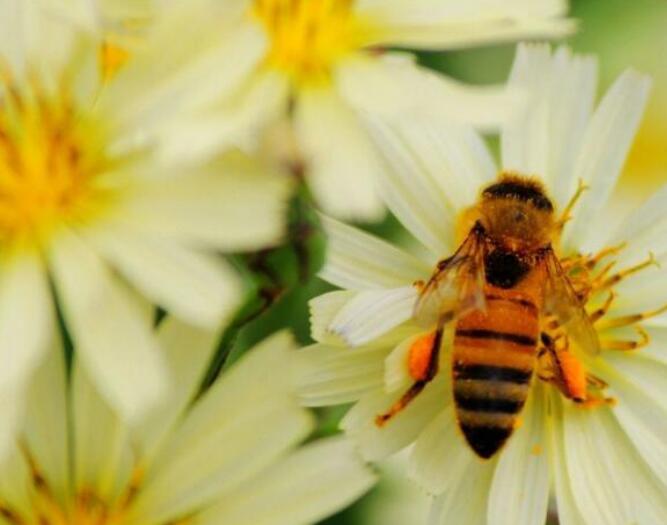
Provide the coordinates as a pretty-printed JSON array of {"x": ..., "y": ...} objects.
[
  {"x": 605, "y": 464},
  {"x": 228, "y": 456},
  {"x": 91, "y": 221},
  {"x": 322, "y": 63}
]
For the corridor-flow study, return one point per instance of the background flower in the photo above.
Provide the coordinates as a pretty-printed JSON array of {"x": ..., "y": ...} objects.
[
  {"x": 322, "y": 63},
  {"x": 230, "y": 455},
  {"x": 91, "y": 220}
]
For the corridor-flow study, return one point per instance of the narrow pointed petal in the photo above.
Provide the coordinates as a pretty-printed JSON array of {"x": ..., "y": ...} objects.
[
  {"x": 604, "y": 148},
  {"x": 114, "y": 343},
  {"x": 358, "y": 260},
  {"x": 296, "y": 485},
  {"x": 344, "y": 166},
  {"x": 520, "y": 488},
  {"x": 373, "y": 313}
]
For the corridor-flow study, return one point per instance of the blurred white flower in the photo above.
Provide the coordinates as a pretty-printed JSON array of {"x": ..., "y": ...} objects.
[
  {"x": 606, "y": 464},
  {"x": 323, "y": 64},
  {"x": 229, "y": 456},
  {"x": 89, "y": 215}
]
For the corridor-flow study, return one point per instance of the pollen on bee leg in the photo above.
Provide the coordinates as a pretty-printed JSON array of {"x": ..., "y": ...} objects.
[
  {"x": 422, "y": 366},
  {"x": 419, "y": 356}
]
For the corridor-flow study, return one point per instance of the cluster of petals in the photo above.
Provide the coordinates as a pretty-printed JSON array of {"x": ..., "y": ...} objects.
[
  {"x": 96, "y": 225},
  {"x": 322, "y": 64},
  {"x": 230, "y": 455}
]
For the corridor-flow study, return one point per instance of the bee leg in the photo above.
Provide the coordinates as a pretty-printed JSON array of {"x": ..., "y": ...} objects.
[
  {"x": 570, "y": 377},
  {"x": 423, "y": 366},
  {"x": 560, "y": 368},
  {"x": 627, "y": 345}
]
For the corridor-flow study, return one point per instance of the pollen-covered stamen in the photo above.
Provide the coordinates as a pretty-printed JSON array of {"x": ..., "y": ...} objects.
[
  {"x": 580, "y": 270},
  {"x": 85, "y": 506},
  {"x": 306, "y": 36},
  {"x": 49, "y": 157}
]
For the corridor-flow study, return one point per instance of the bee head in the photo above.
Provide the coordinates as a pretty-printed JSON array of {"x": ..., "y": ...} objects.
[{"x": 516, "y": 212}]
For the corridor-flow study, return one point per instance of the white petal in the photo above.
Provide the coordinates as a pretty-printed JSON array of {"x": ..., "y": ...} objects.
[
  {"x": 35, "y": 39},
  {"x": 12, "y": 404},
  {"x": 640, "y": 371},
  {"x": 219, "y": 208},
  {"x": 303, "y": 488},
  {"x": 644, "y": 231},
  {"x": 434, "y": 170},
  {"x": 520, "y": 488},
  {"x": 46, "y": 424},
  {"x": 379, "y": 442},
  {"x": 358, "y": 260},
  {"x": 605, "y": 145},
  {"x": 187, "y": 351},
  {"x": 323, "y": 310},
  {"x": 198, "y": 69},
  {"x": 228, "y": 437},
  {"x": 642, "y": 412},
  {"x": 434, "y": 24},
  {"x": 465, "y": 502},
  {"x": 26, "y": 318},
  {"x": 373, "y": 313},
  {"x": 568, "y": 513},
  {"x": 600, "y": 461},
  {"x": 207, "y": 131},
  {"x": 15, "y": 475},
  {"x": 379, "y": 84},
  {"x": 196, "y": 287},
  {"x": 441, "y": 457},
  {"x": 344, "y": 167},
  {"x": 544, "y": 136},
  {"x": 331, "y": 375},
  {"x": 102, "y": 459},
  {"x": 113, "y": 341}
]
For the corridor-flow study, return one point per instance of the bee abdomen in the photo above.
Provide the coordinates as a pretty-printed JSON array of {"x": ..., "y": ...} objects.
[
  {"x": 492, "y": 370},
  {"x": 487, "y": 409}
]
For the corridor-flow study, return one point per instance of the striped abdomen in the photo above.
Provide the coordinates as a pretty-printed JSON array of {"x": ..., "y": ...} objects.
[{"x": 493, "y": 361}]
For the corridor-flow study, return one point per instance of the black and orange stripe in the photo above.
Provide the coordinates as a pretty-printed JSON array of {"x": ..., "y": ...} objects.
[{"x": 493, "y": 361}]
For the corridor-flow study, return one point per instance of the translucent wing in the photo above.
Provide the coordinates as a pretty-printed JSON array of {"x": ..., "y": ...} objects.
[
  {"x": 561, "y": 301},
  {"x": 456, "y": 286}
]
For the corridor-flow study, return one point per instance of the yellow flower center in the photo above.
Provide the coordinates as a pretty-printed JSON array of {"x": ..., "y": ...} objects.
[
  {"x": 49, "y": 157},
  {"x": 307, "y": 36}
]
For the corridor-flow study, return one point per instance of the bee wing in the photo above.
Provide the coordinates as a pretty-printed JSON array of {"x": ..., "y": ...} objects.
[
  {"x": 561, "y": 301},
  {"x": 457, "y": 285}
]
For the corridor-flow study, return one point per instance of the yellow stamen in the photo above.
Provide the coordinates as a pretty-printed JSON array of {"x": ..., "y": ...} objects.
[
  {"x": 49, "y": 157},
  {"x": 307, "y": 36}
]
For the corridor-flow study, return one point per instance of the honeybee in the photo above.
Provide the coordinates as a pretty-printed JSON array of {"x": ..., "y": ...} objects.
[{"x": 499, "y": 288}]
